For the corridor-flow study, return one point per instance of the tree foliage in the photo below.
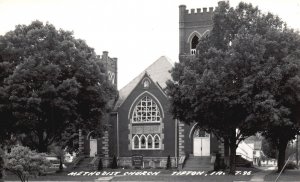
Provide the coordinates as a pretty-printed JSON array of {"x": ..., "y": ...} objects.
[
  {"x": 243, "y": 79},
  {"x": 26, "y": 163},
  {"x": 52, "y": 85}
]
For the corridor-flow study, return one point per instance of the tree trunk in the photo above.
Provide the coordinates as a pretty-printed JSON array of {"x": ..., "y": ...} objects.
[
  {"x": 281, "y": 155},
  {"x": 232, "y": 145},
  {"x": 42, "y": 146},
  {"x": 232, "y": 155},
  {"x": 226, "y": 147},
  {"x": 60, "y": 163},
  {"x": 226, "y": 151}
]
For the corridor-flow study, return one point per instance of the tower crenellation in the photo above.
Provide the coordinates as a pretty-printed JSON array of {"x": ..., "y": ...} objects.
[
  {"x": 193, "y": 24},
  {"x": 199, "y": 10},
  {"x": 192, "y": 15}
]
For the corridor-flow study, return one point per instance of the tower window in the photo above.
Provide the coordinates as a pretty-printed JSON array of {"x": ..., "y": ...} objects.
[
  {"x": 111, "y": 77},
  {"x": 194, "y": 44}
]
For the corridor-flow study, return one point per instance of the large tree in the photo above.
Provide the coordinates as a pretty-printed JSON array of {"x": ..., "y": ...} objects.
[
  {"x": 220, "y": 88},
  {"x": 280, "y": 85},
  {"x": 53, "y": 84}
]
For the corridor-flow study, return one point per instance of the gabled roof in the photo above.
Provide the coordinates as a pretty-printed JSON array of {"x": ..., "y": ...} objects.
[{"x": 159, "y": 72}]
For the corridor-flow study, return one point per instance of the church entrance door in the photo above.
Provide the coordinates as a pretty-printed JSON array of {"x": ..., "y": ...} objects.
[
  {"x": 93, "y": 147},
  {"x": 201, "y": 143}
]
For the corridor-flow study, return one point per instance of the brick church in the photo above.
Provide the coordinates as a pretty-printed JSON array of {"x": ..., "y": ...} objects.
[{"x": 141, "y": 122}]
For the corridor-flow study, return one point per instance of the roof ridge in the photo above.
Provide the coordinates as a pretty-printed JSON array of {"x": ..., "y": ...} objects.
[
  {"x": 145, "y": 70},
  {"x": 160, "y": 58},
  {"x": 158, "y": 71}
]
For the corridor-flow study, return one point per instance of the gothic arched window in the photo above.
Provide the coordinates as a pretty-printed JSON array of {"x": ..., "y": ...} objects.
[
  {"x": 198, "y": 132},
  {"x": 150, "y": 142},
  {"x": 146, "y": 123},
  {"x": 194, "y": 43},
  {"x": 136, "y": 142},
  {"x": 143, "y": 141},
  {"x": 156, "y": 142},
  {"x": 146, "y": 111}
]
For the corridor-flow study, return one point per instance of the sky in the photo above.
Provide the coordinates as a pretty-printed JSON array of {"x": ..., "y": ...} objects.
[{"x": 137, "y": 32}]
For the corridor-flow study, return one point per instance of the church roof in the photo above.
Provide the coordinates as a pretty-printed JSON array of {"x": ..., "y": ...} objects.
[{"x": 159, "y": 72}]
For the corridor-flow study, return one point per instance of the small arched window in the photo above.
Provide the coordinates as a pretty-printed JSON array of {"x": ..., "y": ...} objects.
[
  {"x": 150, "y": 142},
  {"x": 194, "y": 43},
  {"x": 146, "y": 142},
  {"x": 143, "y": 141},
  {"x": 136, "y": 142},
  {"x": 156, "y": 142}
]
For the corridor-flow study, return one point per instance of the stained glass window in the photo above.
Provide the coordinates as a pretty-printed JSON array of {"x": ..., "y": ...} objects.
[
  {"x": 136, "y": 142},
  {"x": 146, "y": 141},
  {"x": 156, "y": 141},
  {"x": 146, "y": 111},
  {"x": 150, "y": 142},
  {"x": 143, "y": 142}
]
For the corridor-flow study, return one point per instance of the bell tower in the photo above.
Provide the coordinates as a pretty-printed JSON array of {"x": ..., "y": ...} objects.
[
  {"x": 192, "y": 26},
  {"x": 111, "y": 65}
]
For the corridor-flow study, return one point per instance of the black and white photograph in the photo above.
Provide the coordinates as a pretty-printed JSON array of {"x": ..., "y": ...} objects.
[{"x": 150, "y": 90}]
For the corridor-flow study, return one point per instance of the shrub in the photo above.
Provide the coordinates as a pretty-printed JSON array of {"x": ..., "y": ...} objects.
[
  {"x": 100, "y": 165},
  {"x": 114, "y": 164},
  {"x": 26, "y": 163},
  {"x": 169, "y": 165},
  {"x": 248, "y": 164}
]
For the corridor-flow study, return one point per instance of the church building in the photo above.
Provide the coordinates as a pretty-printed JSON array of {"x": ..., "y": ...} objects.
[{"x": 141, "y": 123}]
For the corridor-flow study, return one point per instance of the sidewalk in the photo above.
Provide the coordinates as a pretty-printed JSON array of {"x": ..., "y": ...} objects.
[
  {"x": 288, "y": 175},
  {"x": 260, "y": 176}
]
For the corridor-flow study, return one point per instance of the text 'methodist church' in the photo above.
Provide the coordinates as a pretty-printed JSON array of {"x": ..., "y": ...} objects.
[{"x": 141, "y": 122}]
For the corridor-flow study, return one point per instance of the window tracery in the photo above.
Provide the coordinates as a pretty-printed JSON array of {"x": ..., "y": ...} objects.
[
  {"x": 146, "y": 125},
  {"x": 146, "y": 111}
]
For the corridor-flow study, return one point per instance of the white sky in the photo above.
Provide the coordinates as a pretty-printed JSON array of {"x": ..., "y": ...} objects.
[{"x": 137, "y": 32}]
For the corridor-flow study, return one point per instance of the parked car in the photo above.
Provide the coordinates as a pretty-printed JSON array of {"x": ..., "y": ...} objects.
[{"x": 54, "y": 163}]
